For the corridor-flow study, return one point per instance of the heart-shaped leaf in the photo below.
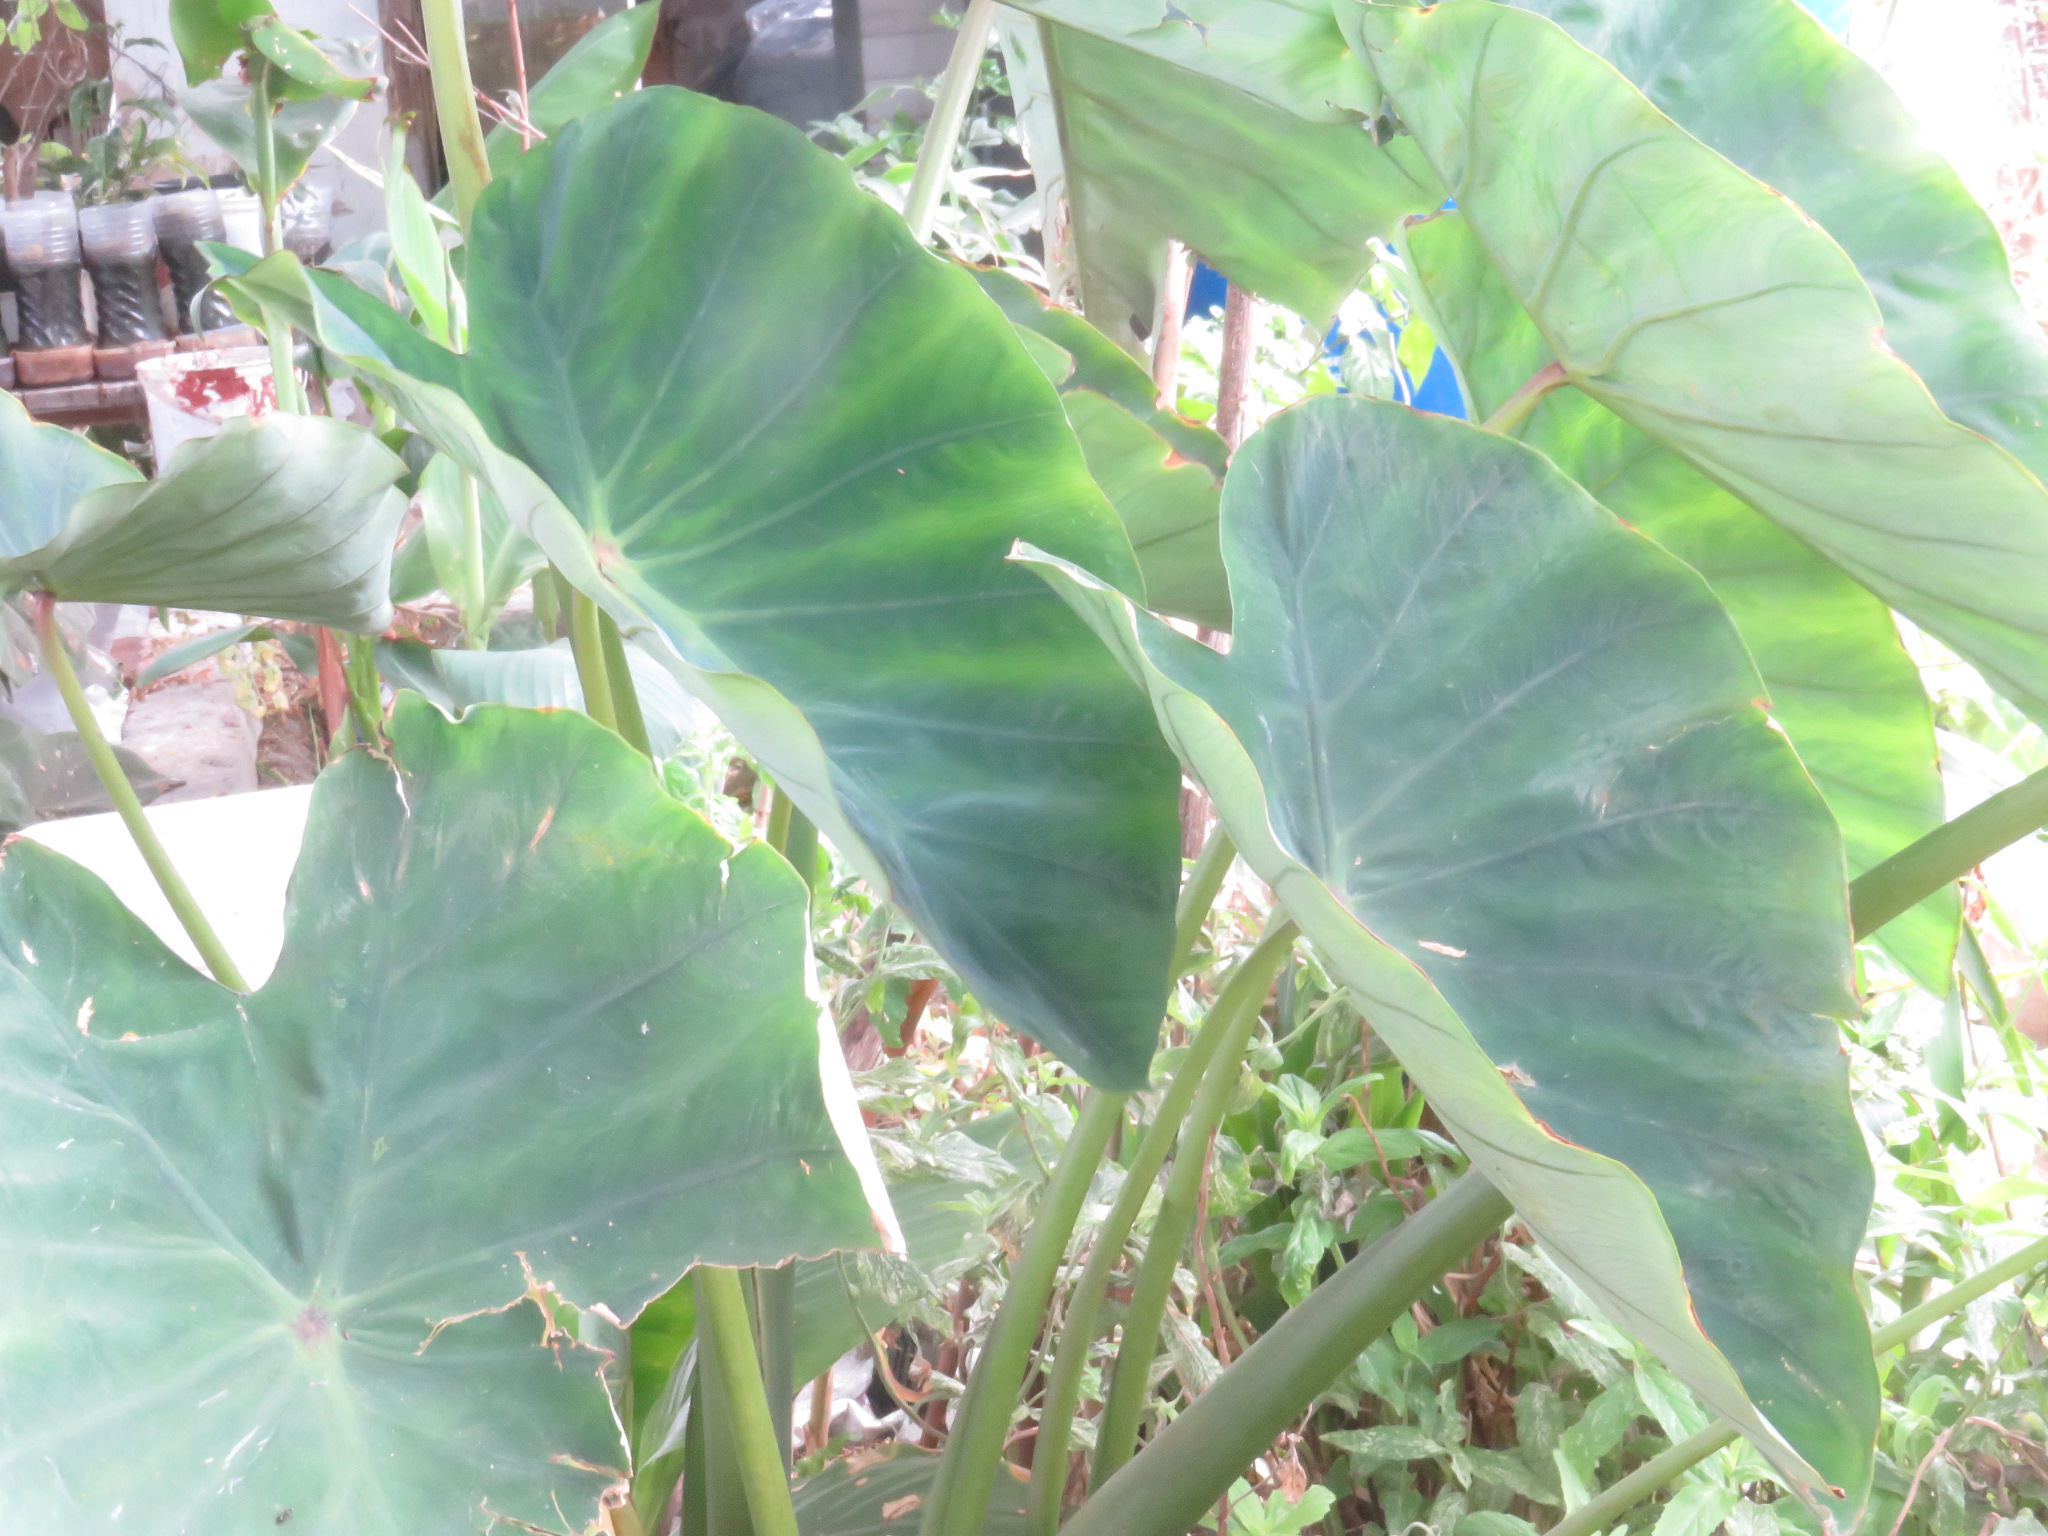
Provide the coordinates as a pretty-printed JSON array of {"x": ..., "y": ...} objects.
[
  {"x": 1242, "y": 127},
  {"x": 1839, "y": 680},
  {"x": 1709, "y": 313},
  {"x": 745, "y": 408},
  {"x": 536, "y": 1032},
  {"x": 1497, "y": 755},
  {"x": 292, "y": 517}
]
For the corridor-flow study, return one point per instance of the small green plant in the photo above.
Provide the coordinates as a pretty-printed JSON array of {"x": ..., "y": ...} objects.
[{"x": 115, "y": 149}]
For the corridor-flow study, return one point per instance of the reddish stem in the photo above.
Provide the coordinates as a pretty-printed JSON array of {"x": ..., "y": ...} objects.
[{"x": 333, "y": 681}]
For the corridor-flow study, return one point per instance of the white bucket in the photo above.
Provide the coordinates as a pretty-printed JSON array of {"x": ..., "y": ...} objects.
[{"x": 194, "y": 394}]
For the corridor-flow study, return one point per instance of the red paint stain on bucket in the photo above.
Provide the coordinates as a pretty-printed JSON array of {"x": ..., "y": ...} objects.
[{"x": 224, "y": 392}]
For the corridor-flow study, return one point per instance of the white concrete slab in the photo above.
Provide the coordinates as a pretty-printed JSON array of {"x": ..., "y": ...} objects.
[{"x": 236, "y": 852}]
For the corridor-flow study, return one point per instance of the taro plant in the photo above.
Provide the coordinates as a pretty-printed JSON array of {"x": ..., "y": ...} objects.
[{"x": 1573, "y": 745}]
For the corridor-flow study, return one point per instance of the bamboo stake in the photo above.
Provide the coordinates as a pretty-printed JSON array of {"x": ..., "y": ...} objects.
[
  {"x": 949, "y": 112},
  {"x": 1232, "y": 374},
  {"x": 1173, "y": 304}
]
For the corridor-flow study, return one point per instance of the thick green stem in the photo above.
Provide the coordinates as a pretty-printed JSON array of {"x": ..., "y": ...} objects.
[
  {"x": 974, "y": 1451},
  {"x": 696, "y": 1466},
  {"x": 1198, "y": 895},
  {"x": 462, "y": 131},
  {"x": 1131, "y": 1385},
  {"x": 949, "y": 112},
  {"x": 284, "y": 373},
  {"x": 57, "y": 661},
  {"x": 477, "y": 626},
  {"x": 722, "y": 1314},
  {"x": 1612, "y": 1503},
  {"x": 1181, "y": 1473},
  {"x": 366, "y": 689},
  {"x": 775, "y": 1322},
  {"x": 586, "y": 642},
  {"x": 268, "y": 193},
  {"x": 1084, "y": 1306},
  {"x": 714, "y": 1500},
  {"x": 793, "y": 835},
  {"x": 618, "y": 675},
  {"x": 1958, "y": 1296},
  {"x": 1947, "y": 853}
]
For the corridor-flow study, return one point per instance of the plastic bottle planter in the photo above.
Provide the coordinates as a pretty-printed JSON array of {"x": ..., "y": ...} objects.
[
  {"x": 307, "y": 217},
  {"x": 183, "y": 219},
  {"x": 119, "y": 241},
  {"x": 41, "y": 236}
]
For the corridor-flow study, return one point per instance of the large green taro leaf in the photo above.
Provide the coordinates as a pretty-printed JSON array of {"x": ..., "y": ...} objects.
[
  {"x": 292, "y": 517},
  {"x": 1241, "y": 127},
  {"x": 1839, "y": 680},
  {"x": 799, "y": 446},
  {"x": 1708, "y": 312},
  {"x": 1162, "y": 473},
  {"x": 1765, "y": 84},
  {"x": 1497, "y": 755},
  {"x": 535, "y": 1026}
]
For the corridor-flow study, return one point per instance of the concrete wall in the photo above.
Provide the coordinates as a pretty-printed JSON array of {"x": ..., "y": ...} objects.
[{"x": 901, "y": 44}]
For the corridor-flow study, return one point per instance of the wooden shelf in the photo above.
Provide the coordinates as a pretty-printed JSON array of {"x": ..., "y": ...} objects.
[{"x": 90, "y": 404}]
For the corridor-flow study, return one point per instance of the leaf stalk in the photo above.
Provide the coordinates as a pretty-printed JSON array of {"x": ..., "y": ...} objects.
[
  {"x": 628, "y": 721},
  {"x": 586, "y": 643},
  {"x": 1198, "y": 895},
  {"x": 366, "y": 690},
  {"x": 1521, "y": 405},
  {"x": 1184, "y": 1470},
  {"x": 1242, "y": 998},
  {"x": 126, "y": 802},
  {"x": 974, "y": 1452},
  {"x": 1949, "y": 852},
  {"x": 722, "y": 1313},
  {"x": 1084, "y": 1305}
]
